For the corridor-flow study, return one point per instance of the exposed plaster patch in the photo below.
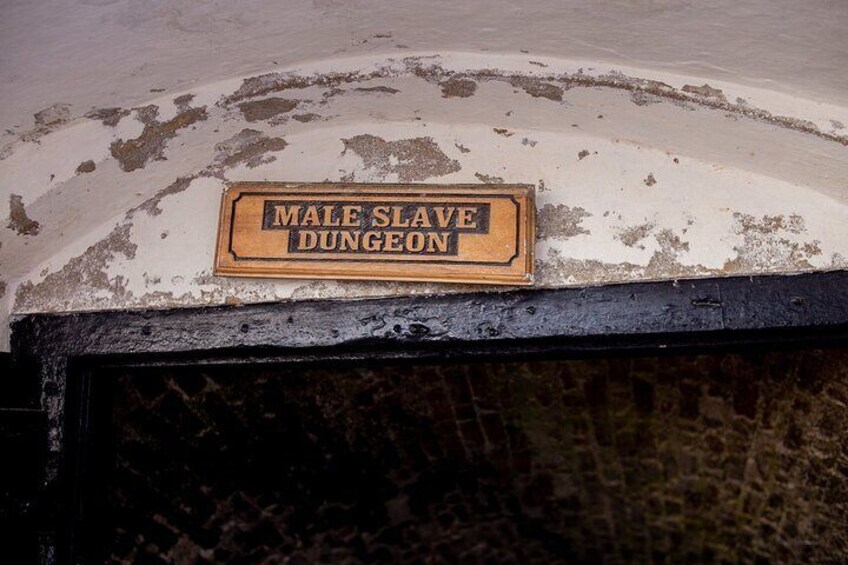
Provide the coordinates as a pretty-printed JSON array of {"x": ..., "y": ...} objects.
[
  {"x": 650, "y": 180},
  {"x": 150, "y": 145},
  {"x": 259, "y": 110},
  {"x": 766, "y": 244},
  {"x": 47, "y": 120},
  {"x": 458, "y": 88},
  {"x": 634, "y": 234},
  {"x": 18, "y": 219},
  {"x": 415, "y": 159},
  {"x": 83, "y": 282},
  {"x": 86, "y": 167},
  {"x": 664, "y": 262},
  {"x": 488, "y": 179},
  {"x": 109, "y": 116},
  {"x": 560, "y": 221},
  {"x": 556, "y": 269},
  {"x": 249, "y": 147}
]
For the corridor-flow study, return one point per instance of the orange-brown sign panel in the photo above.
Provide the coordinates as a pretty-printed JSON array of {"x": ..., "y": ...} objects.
[{"x": 443, "y": 233}]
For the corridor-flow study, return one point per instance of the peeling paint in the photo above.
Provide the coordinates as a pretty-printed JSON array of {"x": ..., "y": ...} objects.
[
  {"x": 706, "y": 91},
  {"x": 109, "y": 116},
  {"x": 634, "y": 234},
  {"x": 260, "y": 110},
  {"x": 83, "y": 281},
  {"x": 150, "y": 145},
  {"x": 642, "y": 98},
  {"x": 47, "y": 120},
  {"x": 86, "y": 167},
  {"x": 18, "y": 219},
  {"x": 411, "y": 160},
  {"x": 766, "y": 241},
  {"x": 151, "y": 205},
  {"x": 560, "y": 221},
  {"x": 537, "y": 88},
  {"x": 377, "y": 90},
  {"x": 249, "y": 147},
  {"x": 458, "y": 88},
  {"x": 488, "y": 179},
  {"x": 304, "y": 118}
]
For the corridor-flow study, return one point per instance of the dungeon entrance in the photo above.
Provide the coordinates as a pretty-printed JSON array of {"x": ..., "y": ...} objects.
[{"x": 656, "y": 420}]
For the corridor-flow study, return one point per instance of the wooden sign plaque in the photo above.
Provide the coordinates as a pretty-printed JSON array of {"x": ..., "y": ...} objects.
[{"x": 442, "y": 233}]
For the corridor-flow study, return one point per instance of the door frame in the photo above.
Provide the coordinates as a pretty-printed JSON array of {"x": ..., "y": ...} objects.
[{"x": 67, "y": 350}]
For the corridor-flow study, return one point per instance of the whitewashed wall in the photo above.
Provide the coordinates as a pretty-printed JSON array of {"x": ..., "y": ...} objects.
[{"x": 666, "y": 139}]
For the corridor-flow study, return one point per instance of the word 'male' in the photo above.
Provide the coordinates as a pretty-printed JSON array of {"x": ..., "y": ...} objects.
[{"x": 450, "y": 233}]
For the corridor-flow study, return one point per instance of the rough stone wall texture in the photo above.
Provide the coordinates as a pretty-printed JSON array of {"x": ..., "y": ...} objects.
[{"x": 708, "y": 458}]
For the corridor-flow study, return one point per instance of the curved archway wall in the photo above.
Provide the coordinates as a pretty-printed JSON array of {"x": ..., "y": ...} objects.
[{"x": 696, "y": 154}]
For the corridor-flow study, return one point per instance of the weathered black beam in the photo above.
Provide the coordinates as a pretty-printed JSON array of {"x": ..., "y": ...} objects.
[{"x": 669, "y": 311}]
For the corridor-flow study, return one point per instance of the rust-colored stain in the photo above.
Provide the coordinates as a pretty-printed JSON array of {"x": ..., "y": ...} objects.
[
  {"x": 18, "y": 219},
  {"x": 150, "y": 145},
  {"x": 560, "y": 221},
  {"x": 415, "y": 159}
]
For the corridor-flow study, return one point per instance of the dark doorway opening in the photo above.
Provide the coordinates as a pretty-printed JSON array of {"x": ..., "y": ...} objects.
[{"x": 715, "y": 456}]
